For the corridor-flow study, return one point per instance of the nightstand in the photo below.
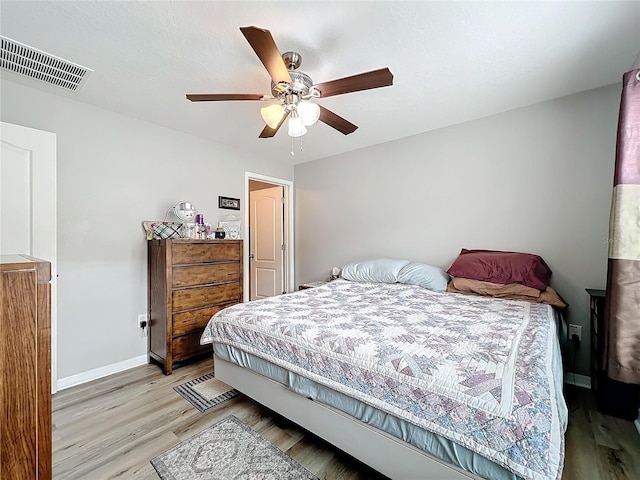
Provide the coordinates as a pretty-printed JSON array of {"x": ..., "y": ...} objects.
[
  {"x": 304, "y": 286},
  {"x": 612, "y": 397}
]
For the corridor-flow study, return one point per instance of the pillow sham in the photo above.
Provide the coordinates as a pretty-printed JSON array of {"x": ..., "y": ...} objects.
[
  {"x": 381, "y": 270},
  {"x": 426, "y": 276},
  {"x": 502, "y": 267},
  {"x": 512, "y": 291},
  {"x": 493, "y": 289}
]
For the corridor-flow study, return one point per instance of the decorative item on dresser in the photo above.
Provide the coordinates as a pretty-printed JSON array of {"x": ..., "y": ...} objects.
[
  {"x": 25, "y": 376},
  {"x": 188, "y": 281},
  {"x": 612, "y": 397}
]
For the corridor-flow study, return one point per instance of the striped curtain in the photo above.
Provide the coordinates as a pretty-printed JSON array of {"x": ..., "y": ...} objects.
[{"x": 622, "y": 317}]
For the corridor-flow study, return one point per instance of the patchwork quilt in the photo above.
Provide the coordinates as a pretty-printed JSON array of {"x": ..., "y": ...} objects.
[{"x": 476, "y": 370}]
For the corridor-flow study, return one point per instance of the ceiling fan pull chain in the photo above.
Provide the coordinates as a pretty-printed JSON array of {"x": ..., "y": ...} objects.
[
  {"x": 301, "y": 149},
  {"x": 292, "y": 152}
]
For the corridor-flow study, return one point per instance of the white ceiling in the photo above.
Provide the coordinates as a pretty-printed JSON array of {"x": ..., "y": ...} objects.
[{"x": 452, "y": 61}]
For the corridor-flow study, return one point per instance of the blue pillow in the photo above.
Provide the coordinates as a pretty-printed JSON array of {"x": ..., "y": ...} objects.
[
  {"x": 382, "y": 270},
  {"x": 432, "y": 278}
]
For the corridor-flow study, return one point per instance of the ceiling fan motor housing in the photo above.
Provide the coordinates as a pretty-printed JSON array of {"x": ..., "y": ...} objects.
[
  {"x": 300, "y": 82},
  {"x": 300, "y": 85}
]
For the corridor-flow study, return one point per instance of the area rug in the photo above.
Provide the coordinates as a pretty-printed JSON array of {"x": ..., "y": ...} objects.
[
  {"x": 206, "y": 392},
  {"x": 228, "y": 450}
]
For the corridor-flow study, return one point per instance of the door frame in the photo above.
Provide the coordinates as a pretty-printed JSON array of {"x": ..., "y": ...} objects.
[
  {"x": 289, "y": 285},
  {"x": 46, "y": 147}
]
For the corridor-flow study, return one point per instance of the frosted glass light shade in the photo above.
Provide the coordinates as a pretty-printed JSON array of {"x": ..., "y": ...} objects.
[
  {"x": 309, "y": 112},
  {"x": 272, "y": 114},
  {"x": 296, "y": 127}
]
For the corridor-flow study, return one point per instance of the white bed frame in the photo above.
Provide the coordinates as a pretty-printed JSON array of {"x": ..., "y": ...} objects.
[{"x": 381, "y": 451}]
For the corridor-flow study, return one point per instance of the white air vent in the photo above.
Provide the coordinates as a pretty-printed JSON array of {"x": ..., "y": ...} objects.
[{"x": 30, "y": 62}]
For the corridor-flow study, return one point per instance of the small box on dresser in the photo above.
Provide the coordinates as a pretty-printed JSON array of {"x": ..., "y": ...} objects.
[
  {"x": 613, "y": 398},
  {"x": 188, "y": 282}
]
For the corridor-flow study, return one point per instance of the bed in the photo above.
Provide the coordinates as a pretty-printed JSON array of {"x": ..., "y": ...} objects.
[{"x": 414, "y": 383}]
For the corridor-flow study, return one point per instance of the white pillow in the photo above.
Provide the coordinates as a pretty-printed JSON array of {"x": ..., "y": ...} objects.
[
  {"x": 382, "y": 270},
  {"x": 432, "y": 278}
]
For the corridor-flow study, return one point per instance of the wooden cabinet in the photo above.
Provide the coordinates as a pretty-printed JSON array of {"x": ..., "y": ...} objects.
[
  {"x": 189, "y": 281},
  {"x": 612, "y": 397},
  {"x": 25, "y": 368}
]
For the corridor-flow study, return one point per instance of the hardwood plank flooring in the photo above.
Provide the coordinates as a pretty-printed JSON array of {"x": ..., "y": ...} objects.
[{"x": 112, "y": 427}]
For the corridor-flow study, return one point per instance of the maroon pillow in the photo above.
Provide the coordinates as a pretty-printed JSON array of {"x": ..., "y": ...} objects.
[{"x": 502, "y": 267}]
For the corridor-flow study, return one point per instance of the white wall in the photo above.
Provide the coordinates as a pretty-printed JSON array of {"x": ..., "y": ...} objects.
[
  {"x": 113, "y": 173},
  {"x": 536, "y": 179}
]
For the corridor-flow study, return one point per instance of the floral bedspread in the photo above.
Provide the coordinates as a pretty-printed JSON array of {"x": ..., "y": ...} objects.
[{"x": 475, "y": 370}]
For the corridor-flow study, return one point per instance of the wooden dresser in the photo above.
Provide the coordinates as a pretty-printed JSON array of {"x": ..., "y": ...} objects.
[
  {"x": 189, "y": 281},
  {"x": 613, "y": 398},
  {"x": 25, "y": 368}
]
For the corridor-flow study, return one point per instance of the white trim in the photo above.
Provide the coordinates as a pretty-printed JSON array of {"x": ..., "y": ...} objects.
[
  {"x": 578, "y": 380},
  {"x": 636, "y": 422},
  {"x": 43, "y": 146},
  {"x": 289, "y": 228},
  {"x": 100, "y": 372}
]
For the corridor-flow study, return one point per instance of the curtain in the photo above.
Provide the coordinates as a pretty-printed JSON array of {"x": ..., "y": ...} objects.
[{"x": 622, "y": 316}]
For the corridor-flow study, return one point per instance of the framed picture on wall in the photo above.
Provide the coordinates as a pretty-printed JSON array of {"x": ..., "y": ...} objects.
[{"x": 229, "y": 203}]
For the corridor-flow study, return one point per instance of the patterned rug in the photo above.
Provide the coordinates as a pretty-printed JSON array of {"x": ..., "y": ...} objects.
[
  {"x": 206, "y": 392},
  {"x": 228, "y": 450}
]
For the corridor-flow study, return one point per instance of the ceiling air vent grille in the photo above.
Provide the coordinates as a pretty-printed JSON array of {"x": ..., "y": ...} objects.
[{"x": 31, "y": 62}]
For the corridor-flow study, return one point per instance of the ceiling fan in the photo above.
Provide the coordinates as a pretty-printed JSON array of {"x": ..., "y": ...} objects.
[{"x": 293, "y": 90}]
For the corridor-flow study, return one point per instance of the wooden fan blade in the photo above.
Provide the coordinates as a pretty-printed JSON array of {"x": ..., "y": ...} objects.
[
  {"x": 355, "y": 83},
  {"x": 265, "y": 47},
  {"x": 268, "y": 132},
  {"x": 336, "y": 121},
  {"x": 217, "y": 97}
]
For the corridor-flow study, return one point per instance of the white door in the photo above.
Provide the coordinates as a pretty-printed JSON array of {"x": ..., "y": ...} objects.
[
  {"x": 266, "y": 242},
  {"x": 28, "y": 204}
]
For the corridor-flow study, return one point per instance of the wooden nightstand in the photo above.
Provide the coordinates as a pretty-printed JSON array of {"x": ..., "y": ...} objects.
[
  {"x": 612, "y": 397},
  {"x": 304, "y": 286}
]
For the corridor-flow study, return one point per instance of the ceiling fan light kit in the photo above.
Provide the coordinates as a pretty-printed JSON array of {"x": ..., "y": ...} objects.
[
  {"x": 293, "y": 90},
  {"x": 272, "y": 115},
  {"x": 309, "y": 112},
  {"x": 296, "y": 127}
]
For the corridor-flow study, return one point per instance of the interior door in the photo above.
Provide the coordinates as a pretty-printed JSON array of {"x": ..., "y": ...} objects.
[
  {"x": 28, "y": 204},
  {"x": 266, "y": 243}
]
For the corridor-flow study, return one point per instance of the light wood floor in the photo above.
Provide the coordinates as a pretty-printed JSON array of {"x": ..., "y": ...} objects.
[{"x": 112, "y": 427}]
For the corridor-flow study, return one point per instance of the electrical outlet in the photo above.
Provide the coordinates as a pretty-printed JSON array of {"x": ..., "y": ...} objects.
[
  {"x": 575, "y": 330},
  {"x": 143, "y": 320}
]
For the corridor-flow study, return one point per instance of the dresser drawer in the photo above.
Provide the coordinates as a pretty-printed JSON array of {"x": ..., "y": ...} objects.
[
  {"x": 190, "y": 298},
  {"x": 185, "y": 253},
  {"x": 186, "y": 322},
  {"x": 188, "y": 275},
  {"x": 188, "y": 346}
]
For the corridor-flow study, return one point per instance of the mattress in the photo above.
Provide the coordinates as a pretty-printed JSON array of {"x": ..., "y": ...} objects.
[
  {"x": 492, "y": 387},
  {"x": 436, "y": 445}
]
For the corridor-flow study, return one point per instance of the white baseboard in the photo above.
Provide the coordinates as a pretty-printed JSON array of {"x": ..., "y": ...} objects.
[
  {"x": 100, "y": 372},
  {"x": 578, "y": 380}
]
